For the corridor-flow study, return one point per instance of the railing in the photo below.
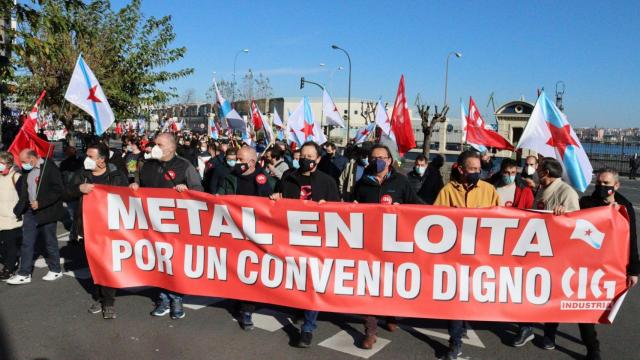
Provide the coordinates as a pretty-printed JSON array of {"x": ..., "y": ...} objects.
[{"x": 611, "y": 155}]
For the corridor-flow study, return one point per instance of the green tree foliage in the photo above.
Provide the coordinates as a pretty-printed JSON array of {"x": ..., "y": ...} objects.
[{"x": 127, "y": 51}]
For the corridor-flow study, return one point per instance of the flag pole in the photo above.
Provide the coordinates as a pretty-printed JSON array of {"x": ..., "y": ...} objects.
[{"x": 44, "y": 166}]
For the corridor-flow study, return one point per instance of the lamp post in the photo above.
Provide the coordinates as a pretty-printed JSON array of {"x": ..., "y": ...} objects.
[
  {"x": 446, "y": 73},
  {"x": 443, "y": 128},
  {"x": 336, "y": 47},
  {"x": 235, "y": 60}
]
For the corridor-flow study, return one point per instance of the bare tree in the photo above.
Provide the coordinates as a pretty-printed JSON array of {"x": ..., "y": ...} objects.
[
  {"x": 189, "y": 96},
  {"x": 263, "y": 87},
  {"x": 428, "y": 124}
]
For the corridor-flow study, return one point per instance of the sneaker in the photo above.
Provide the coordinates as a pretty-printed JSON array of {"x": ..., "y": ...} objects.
[
  {"x": 51, "y": 276},
  {"x": 95, "y": 308},
  {"x": 454, "y": 351},
  {"x": 525, "y": 334},
  {"x": 109, "y": 312},
  {"x": 548, "y": 343},
  {"x": 18, "y": 279},
  {"x": 5, "y": 274},
  {"x": 161, "y": 309},
  {"x": 245, "y": 321},
  {"x": 305, "y": 339},
  {"x": 177, "y": 312}
]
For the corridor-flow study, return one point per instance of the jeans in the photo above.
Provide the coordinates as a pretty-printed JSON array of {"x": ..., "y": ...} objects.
[
  {"x": 9, "y": 240},
  {"x": 30, "y": 231},
  {"x": 456, "y": 329},
  {"x": 310, "y": 318},
  {"x": 70, "y": 220},
  {"x": 166, "y": 297}
]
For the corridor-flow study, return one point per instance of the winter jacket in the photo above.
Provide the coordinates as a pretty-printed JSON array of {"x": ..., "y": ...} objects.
[
  {"x": 49, "y": 194},
  {"x": 168, "y": 174},
  {"x": 454, "y": 194},
  {"x": 323, "y": 186},
  {"x": 9, "y": 198},
  {"x": 557, "y": 193},
  {"x": 395, "y": 188},
  {"x": 264, "y": 184}
]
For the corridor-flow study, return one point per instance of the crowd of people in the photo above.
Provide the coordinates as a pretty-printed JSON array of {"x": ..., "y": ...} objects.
[{"x": 32, "y": 197}]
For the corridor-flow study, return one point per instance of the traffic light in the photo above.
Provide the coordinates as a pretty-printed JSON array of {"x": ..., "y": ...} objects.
[{"x": 302, "y": 83}]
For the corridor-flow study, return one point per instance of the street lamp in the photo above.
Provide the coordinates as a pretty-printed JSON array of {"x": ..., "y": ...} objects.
[
  {"x": 235, "y": 60},
  {"x": 446, "y": 74},
  {"x": 336, "y": 47}
]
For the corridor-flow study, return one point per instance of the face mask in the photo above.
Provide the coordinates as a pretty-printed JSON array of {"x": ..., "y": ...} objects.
[
  {"x": 129, "y": 149},
  {"x": 239, "y": 168},
  {"x": 110, "y": 154},
  {"x": 364, "y": 162},
  {"x": 603, "y": 191},
  {"x": 203, "y": 148},
  {"x": 89, "y": 163},
  {"x": 508, "y": 179},
  {"x": 27, "y": 167},
  {"x": 307, "y": 165},
  {"x": 420, "y": 170},
  {"x": 473, "y": 178},
  {"x": 3, "y": 167},
  {"x": 156, "y": 152},
  {"x": 147, "y": 156},
  {"x": 232, "y": 163},
  {"x": 295, "y": 163},
  {"x": 530, "y": 170},
  {"x": 378, "y": 166}
]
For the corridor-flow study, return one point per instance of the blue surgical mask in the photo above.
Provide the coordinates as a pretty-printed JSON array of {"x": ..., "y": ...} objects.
[
  {"x": 295, "y": 163},
  {"x": 365, "y": 162},
  {"x": 231, "y": 163},
  {"x": 420, "y": 170},
  {"x": 508, "y": 179},
  {"x": 3, "y": 167},
  {"x": 27, "y": 167}
]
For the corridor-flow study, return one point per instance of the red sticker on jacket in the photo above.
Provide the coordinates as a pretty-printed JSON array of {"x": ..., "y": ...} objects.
[
  {"x": 261, "y": 179},
  {"x": 169, "y": 175},
  {"x": 386, "y": 199}
]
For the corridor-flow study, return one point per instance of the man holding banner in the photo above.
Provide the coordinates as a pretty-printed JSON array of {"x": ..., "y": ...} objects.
[
  {"x": 465, "y": 190},
  {"x": 167, "y": 170}
]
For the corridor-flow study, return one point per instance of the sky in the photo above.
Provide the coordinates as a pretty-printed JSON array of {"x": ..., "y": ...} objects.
[{"x": 510, "y": 49}]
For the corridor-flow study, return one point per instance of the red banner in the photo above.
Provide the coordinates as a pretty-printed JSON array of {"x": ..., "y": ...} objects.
[{"x": 498, "y": 264}]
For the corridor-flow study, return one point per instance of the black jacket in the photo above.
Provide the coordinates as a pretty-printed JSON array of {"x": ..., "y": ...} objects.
[
  {"x": 587, "y": 202},
  {"x": 114, "y": 177},
  {"x": 396, "y": 186},
  {"x": 264, "y": 183},
  {"x": 323, "y": 186},
  {"x": 168, "y": 174},
  {"x": 431, "y": 185},
  {"x": 214, "y": 176},
  {"x": 49, "y": 195}
]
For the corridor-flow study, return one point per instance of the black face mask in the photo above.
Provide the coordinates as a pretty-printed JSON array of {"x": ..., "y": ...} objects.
[
  {"x": 603, "y": 191},
  {"x": 239, "y": 168},
  {"x": 306, "y": 165},
  {"x": 473, "y": 178}
]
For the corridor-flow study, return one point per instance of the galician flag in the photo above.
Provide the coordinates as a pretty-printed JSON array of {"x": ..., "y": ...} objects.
[
  {"x": 85, "y": 92},
  {"x": 277, "y": 121},
  {"x": 303, "y": 125},
  {"x": 364, "y": 133},
  {"x": 214, "y": 132},
  {"x": 548, "y": 133},
  {"x": 383, "y": 121},
  {"x": 330, "y": 110},
  {"x": 225, "y": 106}
]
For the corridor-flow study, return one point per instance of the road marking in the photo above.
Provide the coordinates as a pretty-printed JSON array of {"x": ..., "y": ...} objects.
[
  {"x": 199, "y": 302},
  {"x": 269, "y": 320},
  {"x": 472, "y": 338},
  {"x": 81, "y": 274},
  {"x": 42, "y": 263},
  {"x": 345, "y": 343}
]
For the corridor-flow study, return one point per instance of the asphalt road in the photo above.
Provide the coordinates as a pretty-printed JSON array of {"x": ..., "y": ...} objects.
[{"x": 50, "y": 321}]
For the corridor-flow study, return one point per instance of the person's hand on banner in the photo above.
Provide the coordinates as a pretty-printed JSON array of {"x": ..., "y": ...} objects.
[
  {"x": 34, "y": 205},
  {"x": 134, "y": 186},
  {"x": 321, "y": 201},
  {"x": 86, "y": 188},
  {"x": 632, "y": 280},
  {"x": 275, "y": 196},
  {"x": 181, "y": 188},
  {"x": 559, "y": 210}
]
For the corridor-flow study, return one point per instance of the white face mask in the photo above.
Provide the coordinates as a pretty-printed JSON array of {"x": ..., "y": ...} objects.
[
  {"x": 110, "y": 154},
  {"x": 531, "y": 170},
  {"x": 156, "y": 152},
  {"x": 147, "y": 156},
  {"x": 89, "y": 164}
]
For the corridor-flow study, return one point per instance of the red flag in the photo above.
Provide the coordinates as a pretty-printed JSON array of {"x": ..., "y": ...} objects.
[
  {"x": 478, "y": 134},
  {"x": 28, "y": 139},
  {"x": 256, "y": 117},
  {"x": 401, "y": 122}
]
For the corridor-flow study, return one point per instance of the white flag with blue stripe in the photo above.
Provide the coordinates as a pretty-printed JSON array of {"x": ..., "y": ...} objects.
[
  {"x": 85, "y": 92},
  {"x": 548, "y": 133}
]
